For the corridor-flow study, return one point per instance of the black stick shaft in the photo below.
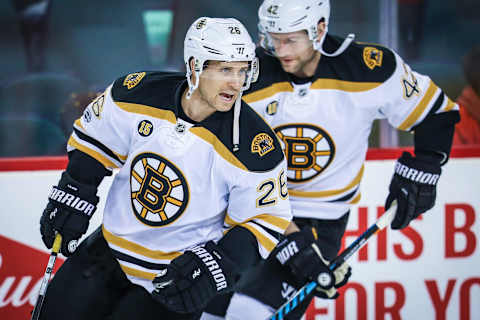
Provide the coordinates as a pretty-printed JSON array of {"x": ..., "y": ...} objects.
[
  {"x": 46, "y": 277},
  {"x": 301, "y": 294}
]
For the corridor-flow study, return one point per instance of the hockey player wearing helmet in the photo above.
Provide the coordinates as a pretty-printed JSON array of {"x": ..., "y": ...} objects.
[
  {"x": 199, "y": 195},
  {"x": 321, "y": 94}
]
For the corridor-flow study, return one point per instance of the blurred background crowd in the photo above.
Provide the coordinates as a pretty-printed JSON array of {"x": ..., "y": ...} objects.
[{"x": 57, "y": 55}]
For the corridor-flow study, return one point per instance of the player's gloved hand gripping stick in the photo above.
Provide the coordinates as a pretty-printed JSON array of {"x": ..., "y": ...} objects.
[
  {"x": 302, "y": 293},
  {"x": 46, "y": 277}
]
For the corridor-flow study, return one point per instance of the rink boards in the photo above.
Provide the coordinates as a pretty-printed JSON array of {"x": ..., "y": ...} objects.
[{"x": 430, "y": 270}]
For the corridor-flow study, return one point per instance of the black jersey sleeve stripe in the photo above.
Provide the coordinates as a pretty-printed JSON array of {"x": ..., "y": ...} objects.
[
  {"x": 436, "y": 106},
  {"x": 98, "y": 144},
  {"x": 273, "y": 233},
  {"x": 148, "y": 265},
  {"x": 346, "y": 197}
]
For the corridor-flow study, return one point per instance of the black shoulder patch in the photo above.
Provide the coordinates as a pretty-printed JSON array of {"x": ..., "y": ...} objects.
[
  {"x": 259, "y": 147},
  {"x": 360, "y": 62},
  {"x": 154, "y": 89}
]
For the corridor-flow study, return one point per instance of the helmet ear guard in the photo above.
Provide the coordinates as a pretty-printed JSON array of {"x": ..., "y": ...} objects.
[{"x": 198, "y": 67}]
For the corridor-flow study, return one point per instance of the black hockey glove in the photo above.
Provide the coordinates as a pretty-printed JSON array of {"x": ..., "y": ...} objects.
[
  {"x": 70, "y": 206},
  {"x": 414, "y": 186},
  {"x": 191, "y": 280},
  {"x": 301, "y": 254}
]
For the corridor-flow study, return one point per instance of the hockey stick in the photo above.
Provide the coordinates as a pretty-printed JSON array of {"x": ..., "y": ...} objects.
[
  {"x": 302, "y": 293},
  {"x": 46, "y": 277}
]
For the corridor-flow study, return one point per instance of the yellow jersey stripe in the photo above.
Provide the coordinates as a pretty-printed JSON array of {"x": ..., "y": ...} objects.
[
  {"x": 136, "y": 248},
  {"x": 79, "y": 125},
  {"x": 268, "y": 92},
  {"x": 356, "y": 199},
  {"x": 137, "y": 273},
  {"x": 261, "y": 238},
  {"x": 327, "y": 193},
  {"x": 107, "y": 163},
  {"x": 221, "y": 149},
  {"x": 421, "y": 106},
  {"x": 273, "y": 220},
  {"x": 349, "y": 86},
  {"x": 147, "y": 110},
  {"x": 450, "y": 105},
  {"x": 121, "y": 157}
]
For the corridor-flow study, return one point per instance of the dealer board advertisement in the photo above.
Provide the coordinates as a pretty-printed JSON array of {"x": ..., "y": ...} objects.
[{"x": 430, "y": 270}]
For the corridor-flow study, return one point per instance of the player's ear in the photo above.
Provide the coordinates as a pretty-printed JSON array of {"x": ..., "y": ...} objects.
[{"x": 321, "y": 26}]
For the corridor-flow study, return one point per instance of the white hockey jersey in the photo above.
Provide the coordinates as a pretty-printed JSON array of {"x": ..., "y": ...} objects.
[
  {"x": 324, "y": 125},
  {"x": 179, "y": 185}
]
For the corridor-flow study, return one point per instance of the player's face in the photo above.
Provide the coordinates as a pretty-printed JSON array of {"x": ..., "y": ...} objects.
[
  {"x": 221, "y": 83},
  {"x": 295, "y": 52}
]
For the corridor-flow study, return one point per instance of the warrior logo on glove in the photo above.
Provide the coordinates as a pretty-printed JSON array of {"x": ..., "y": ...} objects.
[
  {"x": 72, "y": 201},
  {"x": 70, "y": 206},
  {"x": 413, "y": 185},
  {"x": 213, "y": 267},
  {"x": 192, "y": 279}
]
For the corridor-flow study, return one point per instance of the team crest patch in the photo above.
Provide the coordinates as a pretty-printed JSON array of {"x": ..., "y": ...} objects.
[
  {"x": 372, "y": 57},
  {"x": 159, "y": 190},
  {"x": 309, "y": 150},
  {"x": 262, "y": 144},
  {"x": 133, "y": 79}
]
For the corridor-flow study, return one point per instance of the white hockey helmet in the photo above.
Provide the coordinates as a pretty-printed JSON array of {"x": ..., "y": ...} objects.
[
  {"x": 221, "y": 40},
  {"x": 285, "y": 16}
]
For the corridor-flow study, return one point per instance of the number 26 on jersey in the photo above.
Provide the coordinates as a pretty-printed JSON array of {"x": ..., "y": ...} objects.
[{"x": 271, "y": 189}]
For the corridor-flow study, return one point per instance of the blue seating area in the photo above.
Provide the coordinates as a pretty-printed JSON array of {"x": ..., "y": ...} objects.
[{"x": 90, "y": 43}]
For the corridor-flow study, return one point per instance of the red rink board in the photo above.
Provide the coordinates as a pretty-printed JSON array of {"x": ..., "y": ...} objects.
[{"x": 60, "y": 162}]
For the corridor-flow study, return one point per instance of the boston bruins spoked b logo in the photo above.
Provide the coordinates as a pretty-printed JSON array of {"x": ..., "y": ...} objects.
[
  {"x": 309, "y": 150},
  {"x": 159, "y": 191}
]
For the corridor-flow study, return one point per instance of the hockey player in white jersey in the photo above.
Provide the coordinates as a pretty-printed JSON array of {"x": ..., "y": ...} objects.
[
  {"x": 200, "y": 194},
  {"x": 321, "y": 94}
]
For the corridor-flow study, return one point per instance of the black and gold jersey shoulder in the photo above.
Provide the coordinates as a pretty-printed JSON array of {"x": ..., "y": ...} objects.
[
  {"x": 270, "y": 72},
  {"x": 360, "y": 62},
  {"x": 259, "y": 148},
  {"x": 153, "y": 89}
]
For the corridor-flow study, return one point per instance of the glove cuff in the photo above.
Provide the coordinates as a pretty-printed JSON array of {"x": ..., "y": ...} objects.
[{"x": 81, "y": 189}]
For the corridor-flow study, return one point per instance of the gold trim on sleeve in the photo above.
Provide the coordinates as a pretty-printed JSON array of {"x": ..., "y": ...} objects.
[
  {"x": 94, "y": 154},
  {"x": 421, "y": 106},
  {"x": 327, "y": 193}
]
